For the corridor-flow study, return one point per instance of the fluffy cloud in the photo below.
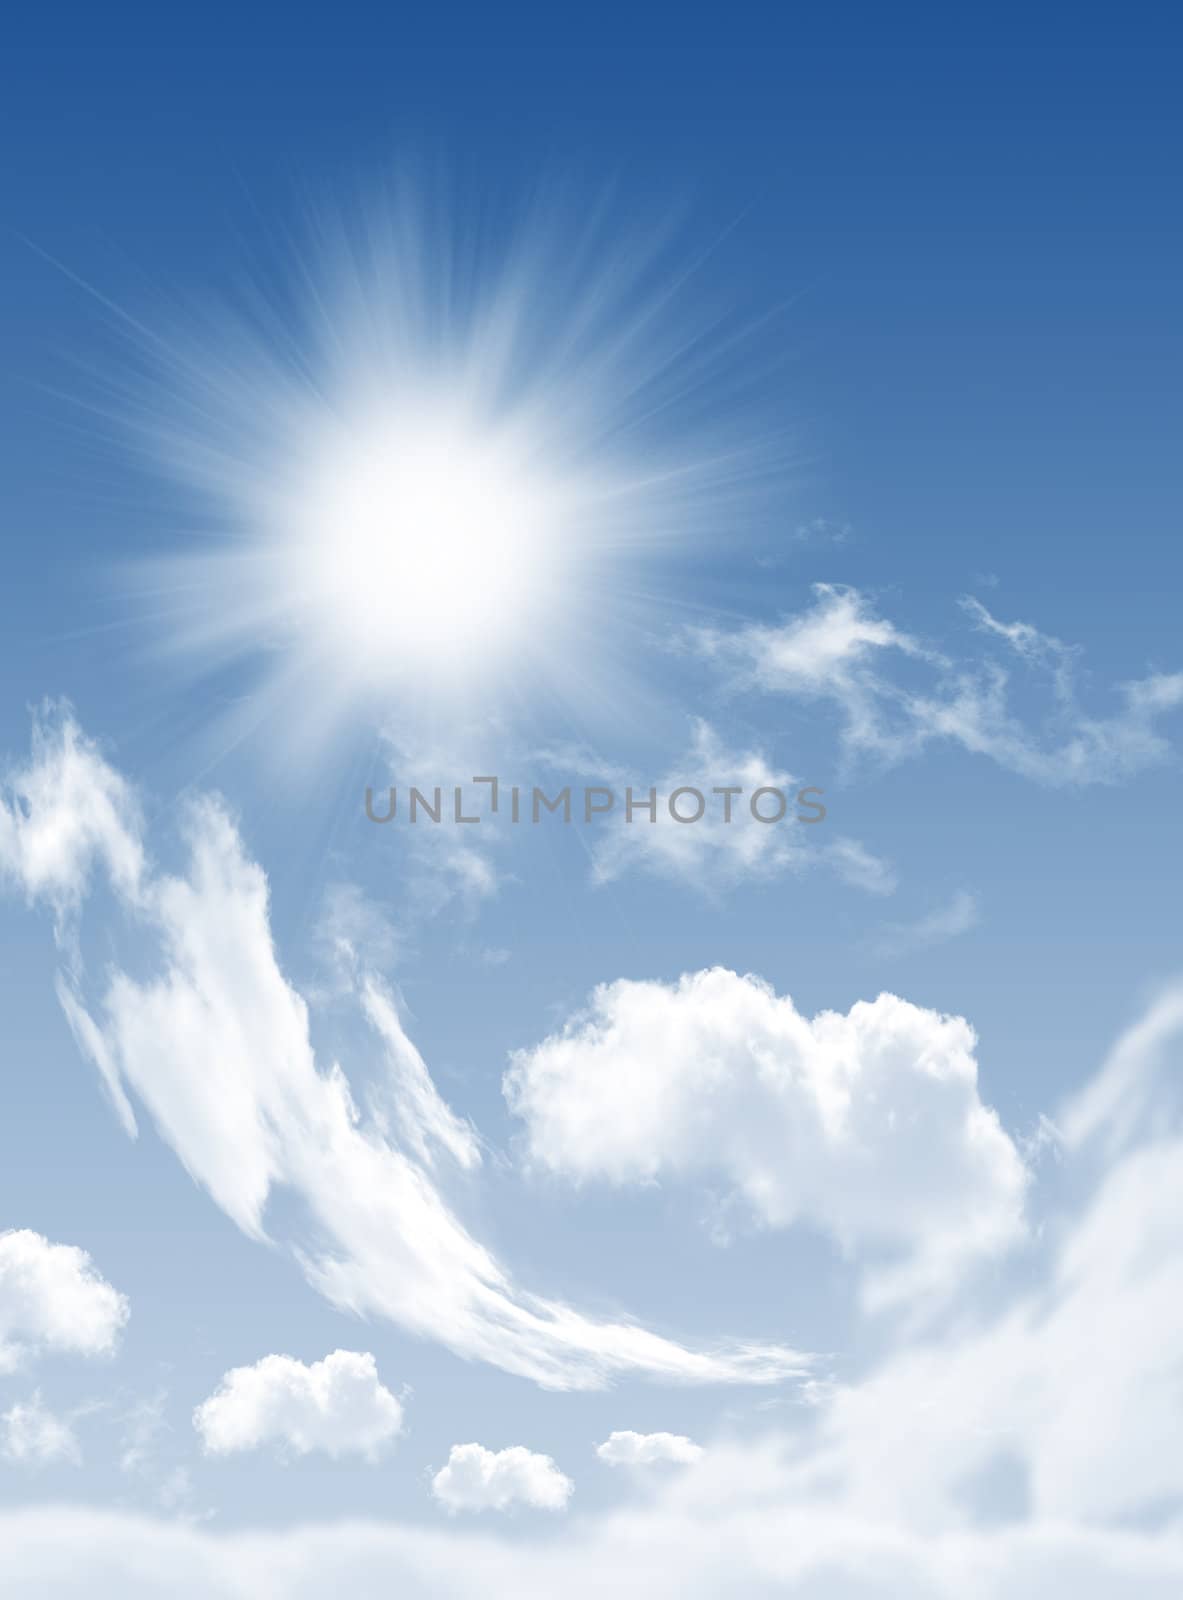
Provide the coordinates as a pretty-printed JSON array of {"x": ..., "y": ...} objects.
[
  {"x": 336, "y": 1405},
  {"x": 217, "y": 1049},
  {"x": 32, "y": 1436},
  {"x": 868, "y": 1124},
  {"x": 839, "y": 652},
  {"x": 476, "y": 1479},
  {"x": 628, "y": 1449},
  {"x": 53, "y": 1299}
]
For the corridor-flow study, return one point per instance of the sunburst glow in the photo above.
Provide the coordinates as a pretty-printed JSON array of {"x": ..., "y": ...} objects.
[{"x": 439, "y": 468}]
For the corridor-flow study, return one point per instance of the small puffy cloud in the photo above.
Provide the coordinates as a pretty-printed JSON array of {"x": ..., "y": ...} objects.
[
  {"x": 868, "y": 1124},
  {"x": 32, "y": 1436},
  {"x": 476, "y": 1479},
  {"x": 336, "y": 1405},
  {"x": 52, "y": 1299},
  {"x": 628, "y": 1449}
]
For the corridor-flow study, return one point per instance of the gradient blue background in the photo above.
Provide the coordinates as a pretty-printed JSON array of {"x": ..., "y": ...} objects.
[{"x": 972, "y": 228}]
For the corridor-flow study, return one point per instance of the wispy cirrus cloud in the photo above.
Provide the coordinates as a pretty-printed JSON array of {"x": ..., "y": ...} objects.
[
  {"x": 32, "y": 1436},
  {"x": 729, "y": 845},
  {"x": 841, "y": 653},
  {"x": 948, "y": 921}
]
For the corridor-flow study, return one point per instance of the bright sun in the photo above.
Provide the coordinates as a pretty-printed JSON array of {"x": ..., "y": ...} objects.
[
  {"x": 430, "y": 542},
  {"x": 436, "y": 473}
]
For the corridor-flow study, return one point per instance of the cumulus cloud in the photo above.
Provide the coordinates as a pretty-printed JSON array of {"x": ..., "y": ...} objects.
[
  {"x": 336, "y": 1405},
  {"x": 896, "y": 695},
  {"x": 869, "y": 1124},
  {"x": 628, "y": 1449},
  {"x": 32, "y": 1436},
  {"x": 53, "y": 1299},
  {"x": 476, "y": 1479},
  {"x": 217, "y": 1049}
]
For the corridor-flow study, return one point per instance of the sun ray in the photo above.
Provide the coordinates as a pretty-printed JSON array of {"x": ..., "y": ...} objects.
[{"x": 433, "y": 469}]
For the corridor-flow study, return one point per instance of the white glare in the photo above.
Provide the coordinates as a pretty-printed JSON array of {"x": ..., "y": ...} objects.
[
  {"x": 432, "y": 468},
  {"x": 427, "y": 540}
]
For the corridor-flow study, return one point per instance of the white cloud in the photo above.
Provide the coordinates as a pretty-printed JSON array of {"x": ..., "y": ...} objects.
[
  {"x": 868, "y": 1124},
  {"x": 355, "y": 934},
  {"x": 64, "y": 810},
  {"x": 730, "y": 1527},
  {"x": 476, "y": 1479},
  {"x": 217, "y": 1049},
  {"x": 1135, "y": 1094},
  {"x": 32, "y": 1436},
  {"x": 728, "y": 845},
  {"x": 897, "y": 695},
  {"x": 628, "y": 1449},
  {"x": 712, "y": 853},
  {"x": 426, "y": 1122},
  {"x": 445, "y": 864},
  {"x": 336, "y": 1405},
  {"x": 949, "y": 921},
  {"x": 53, "y": 1299},
  {"x": 145, "y": 1447},
  {"x": 1071, "y": 1388},
  {"x": 822, "y": 530},
  {"x": 855, "y": 865}
]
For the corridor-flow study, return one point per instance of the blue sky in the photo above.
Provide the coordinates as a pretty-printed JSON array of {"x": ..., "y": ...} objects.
[{"x": 844, "y": 363}]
